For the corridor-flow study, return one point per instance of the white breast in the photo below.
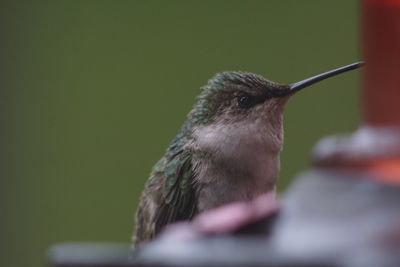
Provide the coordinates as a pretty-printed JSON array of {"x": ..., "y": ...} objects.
[{"x": 244, "y": 163}]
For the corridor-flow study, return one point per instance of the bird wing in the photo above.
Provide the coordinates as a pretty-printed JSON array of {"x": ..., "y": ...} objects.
[
  {"x": 170, "y": 193},
  {"x": 177, "y": 191}
]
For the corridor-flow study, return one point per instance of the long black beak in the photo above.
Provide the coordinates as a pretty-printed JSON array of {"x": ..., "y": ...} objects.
[{"x": 294, "y": 87}]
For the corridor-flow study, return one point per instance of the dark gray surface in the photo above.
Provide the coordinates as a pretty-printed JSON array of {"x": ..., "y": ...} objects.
[
  {"x": 327, "y": 218},
  {"x": 90, "y": 254}
]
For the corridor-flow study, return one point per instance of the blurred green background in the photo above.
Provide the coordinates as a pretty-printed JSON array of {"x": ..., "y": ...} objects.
[{"x": 93, "y": 91}]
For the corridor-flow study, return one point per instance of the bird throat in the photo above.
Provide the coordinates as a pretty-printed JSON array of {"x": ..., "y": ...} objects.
[{"x": 242, "y": 163}]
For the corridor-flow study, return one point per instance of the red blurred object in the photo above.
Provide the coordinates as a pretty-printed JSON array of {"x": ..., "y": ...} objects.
[
  {"x": 381, "y": 80},
  {"x": 374, "y": 149},
  {"x": 381, "y": 52}
]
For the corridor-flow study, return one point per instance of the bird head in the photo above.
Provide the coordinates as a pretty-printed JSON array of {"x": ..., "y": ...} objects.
[{"x": 240, "y": 107}]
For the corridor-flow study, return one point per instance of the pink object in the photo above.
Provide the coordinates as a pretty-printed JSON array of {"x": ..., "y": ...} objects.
[
  {"x": 230, "y": 217},
  {"x": 223, "y": 220}
]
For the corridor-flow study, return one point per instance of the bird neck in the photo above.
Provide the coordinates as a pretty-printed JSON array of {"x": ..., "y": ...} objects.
[{"x": 233, "y": 164}]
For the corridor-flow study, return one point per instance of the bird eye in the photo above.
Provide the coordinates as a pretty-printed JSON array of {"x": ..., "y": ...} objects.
[{"x": 245, "y": 101}]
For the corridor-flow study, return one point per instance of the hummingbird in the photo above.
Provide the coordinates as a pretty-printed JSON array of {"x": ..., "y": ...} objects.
[{"x": 227, "y": 150}]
